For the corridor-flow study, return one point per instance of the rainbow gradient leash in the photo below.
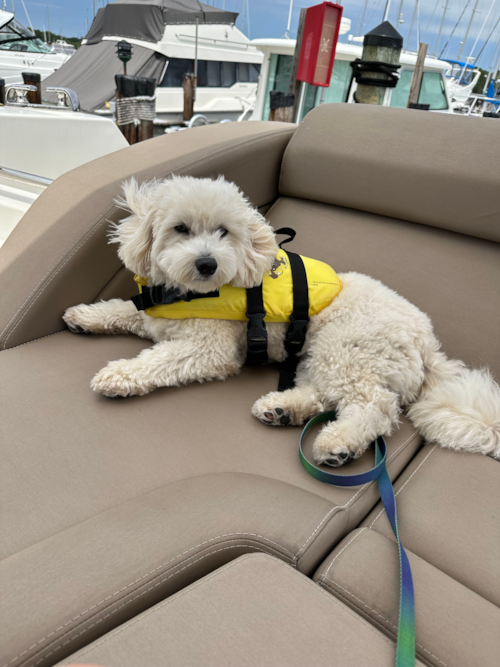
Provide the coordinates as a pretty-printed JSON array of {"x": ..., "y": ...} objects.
[{"x": 405, "y": 648}]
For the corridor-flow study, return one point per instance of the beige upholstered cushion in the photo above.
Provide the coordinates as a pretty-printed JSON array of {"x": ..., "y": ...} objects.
[
  {"x": 435, "y": 169},
  {"x": 449, "y": 507},
  {"x": 192, "y": 467},
  {"x": 452, "y": 277},
  {"x": 58, "y": 254},
  {"x": 455, "y": 625},
  {"x": 254, "y": 611}
]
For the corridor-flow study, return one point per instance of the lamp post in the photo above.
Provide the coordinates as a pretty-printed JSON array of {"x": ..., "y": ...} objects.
[{"x": 124, "y": 52}]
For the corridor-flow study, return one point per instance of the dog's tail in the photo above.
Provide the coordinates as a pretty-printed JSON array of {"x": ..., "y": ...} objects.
[{"x": 458, "y": 408}]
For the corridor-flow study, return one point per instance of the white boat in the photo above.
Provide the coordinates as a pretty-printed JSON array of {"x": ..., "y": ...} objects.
[
  {"x": 21, "y": 51},
  {"x": 461, "y": 78},
  {"x": 228, "y": 65},
  {"x": 277, "y": 66},
  {"x": 62, "y": 46},
  {"x": 38, "y": 144}
]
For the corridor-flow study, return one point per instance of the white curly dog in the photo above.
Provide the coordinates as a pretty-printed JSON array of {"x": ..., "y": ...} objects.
[{"x": 368, "y": 355}]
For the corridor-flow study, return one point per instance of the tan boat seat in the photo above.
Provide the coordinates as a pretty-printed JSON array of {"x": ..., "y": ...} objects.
[
  {"x": 254, "y": 611},
  {"x": 108, "y": 507},
  {"x": 449, "y": 507}
]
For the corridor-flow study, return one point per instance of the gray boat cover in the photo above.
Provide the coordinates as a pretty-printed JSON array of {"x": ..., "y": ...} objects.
[
  {"x": 90, "y": 72},
  {"x": 146, "y": 19}
]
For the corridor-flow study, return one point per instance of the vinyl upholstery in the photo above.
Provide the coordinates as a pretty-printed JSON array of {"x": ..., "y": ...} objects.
[{"x": 110, "y": 506}]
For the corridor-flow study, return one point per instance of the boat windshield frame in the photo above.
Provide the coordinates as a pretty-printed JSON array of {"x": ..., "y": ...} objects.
[{"x": 22, "y": 34}]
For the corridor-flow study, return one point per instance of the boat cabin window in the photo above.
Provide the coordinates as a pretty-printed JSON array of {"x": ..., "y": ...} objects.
[
  {"x": 15, "y": 37},
  {"x": 211, "y": 73},
  {"x": 432, "y": 91},
  {"x": 280, "y": 71}
]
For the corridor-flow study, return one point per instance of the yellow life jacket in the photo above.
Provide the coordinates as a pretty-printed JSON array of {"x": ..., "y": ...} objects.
[{"x": 277, "y": 290}]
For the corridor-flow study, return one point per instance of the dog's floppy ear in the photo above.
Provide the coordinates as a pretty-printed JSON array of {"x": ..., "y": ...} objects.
[
  {"x": 258, "y": 254},
  {"x": 135, "y": 233}
]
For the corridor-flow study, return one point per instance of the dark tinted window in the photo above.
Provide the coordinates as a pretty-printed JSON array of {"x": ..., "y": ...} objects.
[
  {"x": 211, "y": 73},
  {"x": 254, "y": 72},
  {"x": 228, "y": 74},
  {"x": 243, "y": 72},
  {"x": 176, "y": 69}
]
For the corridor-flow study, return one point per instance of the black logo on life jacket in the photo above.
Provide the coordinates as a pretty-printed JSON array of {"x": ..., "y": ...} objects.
[{"x": 279, "y": 261}]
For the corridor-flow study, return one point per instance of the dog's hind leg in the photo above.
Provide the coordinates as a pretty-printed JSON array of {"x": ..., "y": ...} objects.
[
  {"x": 107, "y": 317},
  {"x": 356, "y": 426},
  {"x": 293, "y": 406}
]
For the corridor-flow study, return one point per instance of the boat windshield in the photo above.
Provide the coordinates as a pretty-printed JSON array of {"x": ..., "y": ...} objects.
[
  {"x": 456, "y": 73},
  {"x": 15, "y": 37},
  {"x": 432, "y": 91}
]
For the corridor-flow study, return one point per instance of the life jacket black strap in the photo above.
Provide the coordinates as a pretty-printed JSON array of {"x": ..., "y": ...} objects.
[
  {"x": 159, "y": 295},
  {"x": 296, "y": 334},
  {"x": 256, "y": 329}
]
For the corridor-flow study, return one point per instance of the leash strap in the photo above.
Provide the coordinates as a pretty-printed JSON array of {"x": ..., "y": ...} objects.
[{"x": 405, "y": 648}]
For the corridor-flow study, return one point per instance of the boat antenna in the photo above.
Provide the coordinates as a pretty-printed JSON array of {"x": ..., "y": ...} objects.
[
  {"x": 411, "y": 26},
  {"x": 363, "y": 18},
  {"x": 494, "y": 2},
  {"x": 432, "y": 16},
  {"x": 467, "y": 31},
  {"x": 243, "y": 17},
  {"x": 487, "y": 40},
  {"x": 386, "y": 12},
  {"x": 441, "y": 28},
  {"x": 287, "y": 33},
  {"x": 418, "y": 24},
  {"x": 454, "y": 28}
]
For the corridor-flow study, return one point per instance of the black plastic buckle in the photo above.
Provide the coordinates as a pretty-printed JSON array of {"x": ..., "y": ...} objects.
[
  {"x": 256, "y": 339},
  {"x": 296, "y": 335},
  {"x": 156, "y": 294}
]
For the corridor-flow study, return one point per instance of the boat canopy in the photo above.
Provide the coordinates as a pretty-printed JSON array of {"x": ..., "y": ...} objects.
[
  {"x": 146, "y": 19},
  {"x": 458, "y": 62},
  {"x": 90, "y": 72}
]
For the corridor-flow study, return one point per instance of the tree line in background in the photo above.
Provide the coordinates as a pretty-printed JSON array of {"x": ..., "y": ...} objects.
[{"x": 52, "y": 37}]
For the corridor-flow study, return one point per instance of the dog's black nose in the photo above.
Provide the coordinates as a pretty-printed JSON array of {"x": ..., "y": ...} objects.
[{"x": 207, "y": 266}]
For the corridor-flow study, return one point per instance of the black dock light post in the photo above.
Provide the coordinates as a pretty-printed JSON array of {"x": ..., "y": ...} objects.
[
  {"x": 124, "y": 51},
  {"x": 377, "y": 71}
]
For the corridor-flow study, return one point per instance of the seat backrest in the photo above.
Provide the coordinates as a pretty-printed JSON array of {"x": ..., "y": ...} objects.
[
  {"x": 435, "y": 169},
  {"x": 58, "y": 255}
]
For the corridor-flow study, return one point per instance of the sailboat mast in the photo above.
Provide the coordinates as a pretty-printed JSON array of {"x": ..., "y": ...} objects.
[
  {"x": 387, "y": 8},
  {"x": 363, "y": 18},
  {"x": 477, "y": 38},
  {"x": 411, "y": 25},
  {"x": 492, "y": 74},
  {"x": 441, "y": 28},
  {"x": 467, "y": 31},
  {"x": 400, "y": 13}
]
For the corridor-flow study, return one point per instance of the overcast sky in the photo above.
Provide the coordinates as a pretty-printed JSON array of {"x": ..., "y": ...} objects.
[{"x": 268, "y": 18}]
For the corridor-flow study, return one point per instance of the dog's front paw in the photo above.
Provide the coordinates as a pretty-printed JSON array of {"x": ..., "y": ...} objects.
[
  {"x": 272, "y": 416},
  {"x": 332, "y": 452},
  {"x": 79, "y": 319},
  {"x": 118, "y": 379}
]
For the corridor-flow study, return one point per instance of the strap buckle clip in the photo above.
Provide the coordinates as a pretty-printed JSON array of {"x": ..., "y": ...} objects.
[
  {"x": 295, "y": 335},
  {"x": 256, "y": 339}
]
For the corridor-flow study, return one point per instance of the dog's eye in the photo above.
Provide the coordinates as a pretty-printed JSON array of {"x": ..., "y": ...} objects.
[
  {"x": 223, "y": 232},
  {"x": 182, "y": 229}
]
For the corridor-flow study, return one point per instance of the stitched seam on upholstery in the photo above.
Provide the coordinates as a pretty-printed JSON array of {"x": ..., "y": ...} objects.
[
  {"x": 335, "y": 592},
  {"x": 82, "y": 239},
  {"x": 399, "y": 490},
  {"x": 323, "y": 576},
  {"x": 351, "y": 500},
  {"x": 28, "y": 342},
  {"x": 212, "y": 576},
  {"x": 109, "y": 597},
  {"x": 158, "y": 583}
]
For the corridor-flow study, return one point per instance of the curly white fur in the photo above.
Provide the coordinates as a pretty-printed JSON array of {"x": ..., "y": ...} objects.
[{"x": 367, "y": 355}]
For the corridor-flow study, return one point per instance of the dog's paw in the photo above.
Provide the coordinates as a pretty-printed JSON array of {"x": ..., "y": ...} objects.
[
  {"x": 78, "y": 319},
  {"x": 330, "y": 451},
  {"x": 272, "y": 417},
  {"x": 117, "y": 379}
]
